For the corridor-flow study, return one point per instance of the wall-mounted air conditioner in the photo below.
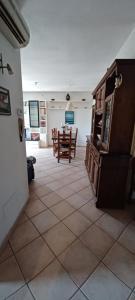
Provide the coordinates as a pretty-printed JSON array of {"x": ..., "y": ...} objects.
[{"x": 12, "y": 24}]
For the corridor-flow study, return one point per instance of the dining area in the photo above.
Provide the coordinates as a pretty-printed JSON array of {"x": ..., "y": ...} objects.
[{"x": 64, "y": 143}]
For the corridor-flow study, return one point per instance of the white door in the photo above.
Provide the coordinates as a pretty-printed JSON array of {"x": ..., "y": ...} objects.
[{"x": 54, "y": 119}]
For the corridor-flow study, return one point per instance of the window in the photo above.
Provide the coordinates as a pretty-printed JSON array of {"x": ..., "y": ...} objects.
[{"x": 34, "y": 113}]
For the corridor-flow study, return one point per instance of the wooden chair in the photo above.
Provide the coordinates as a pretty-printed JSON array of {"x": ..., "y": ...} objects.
[
  {"x": 55, "y": 140},
  {"x": 73, "y": 145},
  {"x": 64, "y": 146}
]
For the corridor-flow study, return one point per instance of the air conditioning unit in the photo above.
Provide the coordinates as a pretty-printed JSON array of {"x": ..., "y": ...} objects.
[{"x": 12, "y": 24}]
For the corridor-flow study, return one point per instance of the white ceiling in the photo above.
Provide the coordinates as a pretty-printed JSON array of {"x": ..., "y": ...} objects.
[{"x": 73, "y": 41}]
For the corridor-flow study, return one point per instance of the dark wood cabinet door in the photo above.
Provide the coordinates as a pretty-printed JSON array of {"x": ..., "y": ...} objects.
[{"x": 95, "y": 178}]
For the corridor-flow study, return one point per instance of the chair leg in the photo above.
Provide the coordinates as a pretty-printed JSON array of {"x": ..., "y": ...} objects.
[{"x": 53, "y": 149}]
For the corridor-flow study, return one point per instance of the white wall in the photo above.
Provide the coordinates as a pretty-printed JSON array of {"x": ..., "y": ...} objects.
[
  {"x": 56, "y": 111},
  {"x": 54, "y": 119},
  {"x": 13, "y": 172},
  {"x": 82, "y": 118},
  {"x": 128, "y": 49},
  {"x": 59, "y": 96}
]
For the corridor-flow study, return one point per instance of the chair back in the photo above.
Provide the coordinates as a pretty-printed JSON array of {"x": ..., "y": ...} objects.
[
  {"x": 64, "y": 138},
  {"x": 54, "y": 138},
  {"x": 76, "y": 134},
  {"x": 54, "y": 131},
  {"x": 64, "y": 145}
]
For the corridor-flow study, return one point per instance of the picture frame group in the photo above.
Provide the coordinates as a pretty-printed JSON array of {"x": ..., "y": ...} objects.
[{"x": 5, "y": 106}]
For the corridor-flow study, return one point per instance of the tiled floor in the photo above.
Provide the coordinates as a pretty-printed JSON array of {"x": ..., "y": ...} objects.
[{"x": 63, "y": 246}]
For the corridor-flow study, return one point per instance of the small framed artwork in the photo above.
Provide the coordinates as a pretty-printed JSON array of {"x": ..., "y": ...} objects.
[
  {"x": 35, "y": 136},
  {"x": 42, "y": 123},
  {"x": 42, "y": 103},
  {"x": 69, "y": 117},
  {"x": 5, "y": 107}
]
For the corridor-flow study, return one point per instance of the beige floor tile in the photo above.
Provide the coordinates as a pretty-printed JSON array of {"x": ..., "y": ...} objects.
[
  {"x": 11, "y": 278},
  {"x": 53, "y": 284},
  {"x": 123, "y": 215},
  {"x": 22, "y": 235},
  {"x": 102, "y": 284},
  {"x": 86, "y": 193},
  {"x": 78, "y": 185},
  {"x": 110, "y": 225},
  {"x": 127, "y": 238},
  {"x": 98, "y": 241},
  {"x": 34, "y": 257},
  {"x": 51, "y": 199},
  {"x": 65, "y": 180},
  {"x": 23, "y": 218},
  {"x": 54, "y": 185},
  {"x": 45, "y": 220},
  {"x": 59, "y": 237},
  {"x": 34, "y": 207},
  {"x": 67, "y": 173},
  {"x": 5, "y": 252},
  {"x": 76, "y": 200},
  {"x": 65, "y": 192},
  {"x": 46, "y": 179},
  {"x": 62, "y": 210},
  {"x": 78, "y": 261},
  {"x": 22, "y": 294},
  {"x": 91, "y": 212},
  {"x": 122, "y": 263},
  {"x": 34, "y": 185},
  {"x": 77, "y": 223},
  {"x": 33, "y": 196},
  {"x": 42, "y": 191},
  {"x": 57, "y": 176},
  {"x": 132, "y": 297},
  {"x": 79, "y": 296}
]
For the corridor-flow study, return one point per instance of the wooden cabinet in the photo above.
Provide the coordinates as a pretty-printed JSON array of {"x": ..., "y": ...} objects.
[{"x": 109, "y": 145}]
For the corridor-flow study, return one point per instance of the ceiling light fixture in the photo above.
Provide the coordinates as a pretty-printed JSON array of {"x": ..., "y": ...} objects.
[
  {"x": 8, "y": 67},
  {"x": 67, "y": 97}
]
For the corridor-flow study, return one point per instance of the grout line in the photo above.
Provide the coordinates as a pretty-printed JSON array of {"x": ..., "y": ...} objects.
[
  {"x": 77, "y": 238},
  {"x": 55, "y": 258},
  {"x": 35, "y": 215},
  {"x": 27, "y": 281},
  {"x": 101, "y": 260},
  {"x": 117, "y": 276},
  {"x": 17, "y": 262},
  {"x": 79, "y": 290},
  {"x": 64, "y": 184},
  {"x": 30, "y": 292},
  {"x": 61, "y": 221},
  {"x": 6, "y": 298}
]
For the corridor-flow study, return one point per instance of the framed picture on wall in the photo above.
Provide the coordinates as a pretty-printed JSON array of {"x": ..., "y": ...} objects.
[
  {"x": 35, "y": 136},
  {"x": 5, "y": 107},
  {"x": 69, "y": 117}
]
